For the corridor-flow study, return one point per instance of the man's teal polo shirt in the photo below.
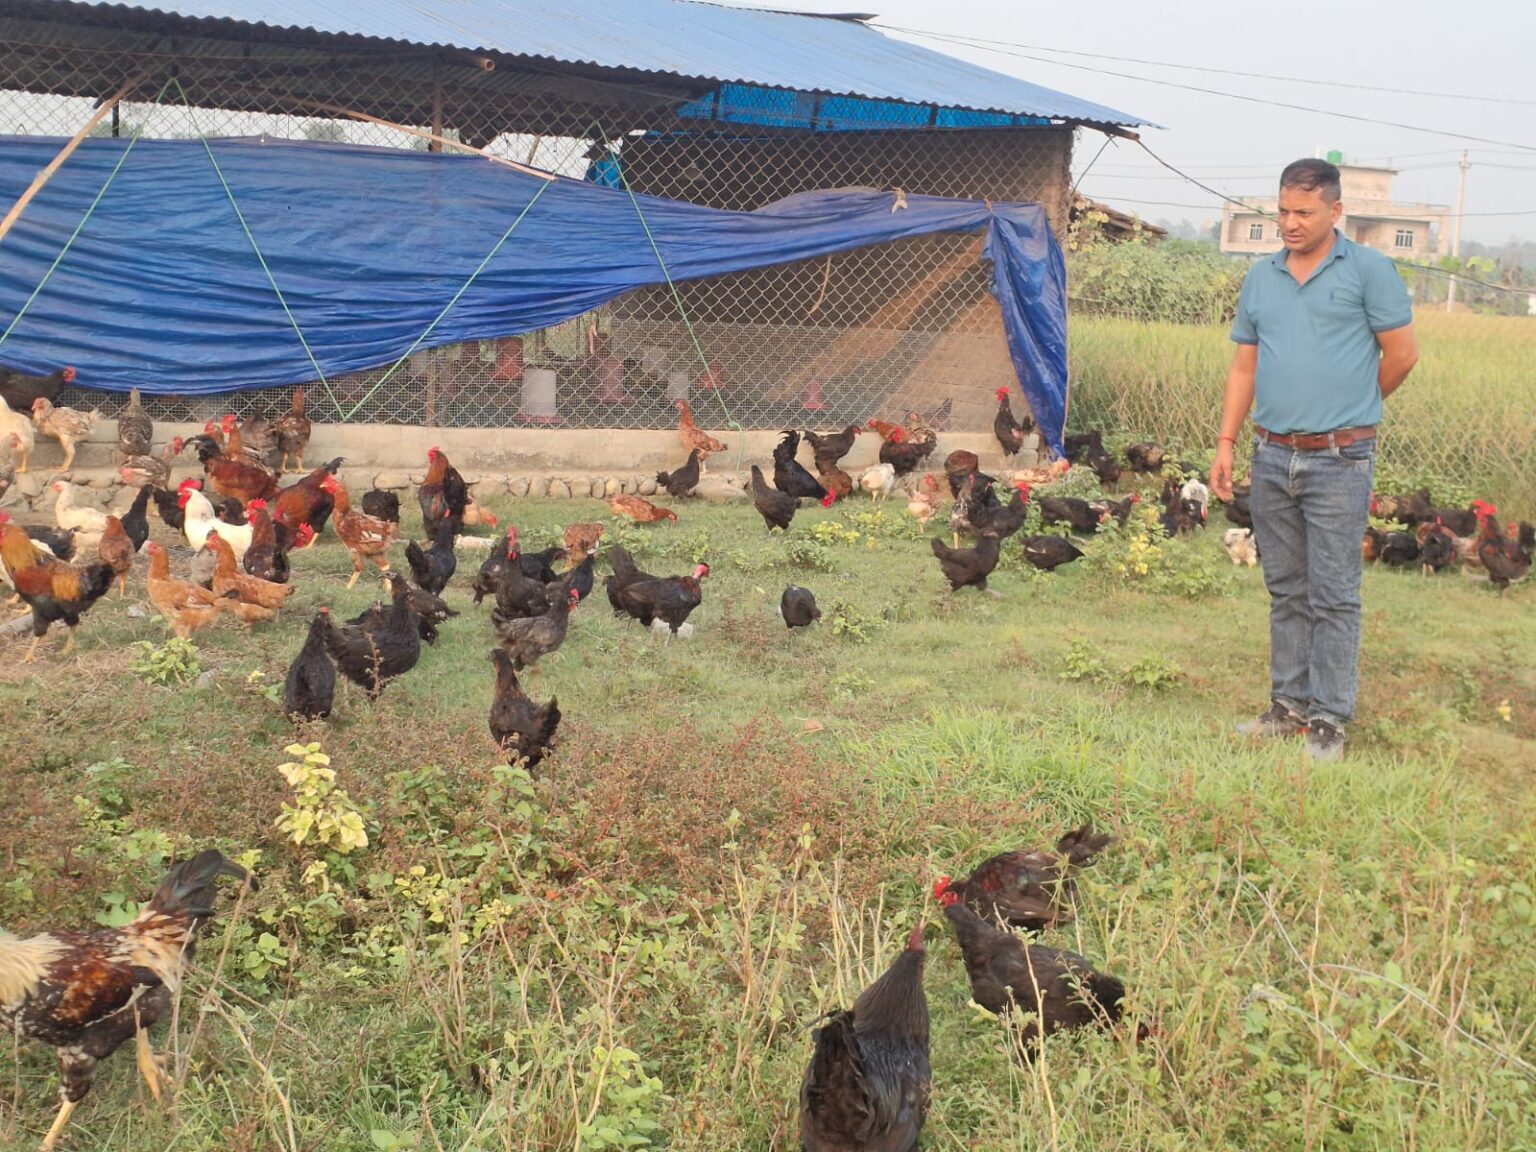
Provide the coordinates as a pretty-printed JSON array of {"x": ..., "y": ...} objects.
[{"x": 1318, "y": 357}]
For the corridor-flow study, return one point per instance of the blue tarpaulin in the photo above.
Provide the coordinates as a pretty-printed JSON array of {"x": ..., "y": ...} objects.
[{"x": 163, "y": 288}]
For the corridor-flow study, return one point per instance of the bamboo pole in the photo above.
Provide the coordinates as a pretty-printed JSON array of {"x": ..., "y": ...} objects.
[{"x": 65, "y": 153}]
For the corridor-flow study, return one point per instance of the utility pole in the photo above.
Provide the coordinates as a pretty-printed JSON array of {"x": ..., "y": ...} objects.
[{"x": 1461, "y": 200}]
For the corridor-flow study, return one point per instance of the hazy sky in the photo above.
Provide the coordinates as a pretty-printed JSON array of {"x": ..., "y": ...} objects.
[{"x": 1481, "y": 48}]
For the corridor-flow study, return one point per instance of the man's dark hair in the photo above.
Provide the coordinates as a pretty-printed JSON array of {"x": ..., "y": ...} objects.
[{"x": 1312, "y": 176}]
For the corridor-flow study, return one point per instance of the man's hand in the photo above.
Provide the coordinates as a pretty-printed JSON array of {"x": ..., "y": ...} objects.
[{"x": 1221, "y": 471}]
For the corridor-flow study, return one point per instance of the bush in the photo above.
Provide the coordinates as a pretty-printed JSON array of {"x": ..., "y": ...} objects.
[{"x": 1174, "y": 282}]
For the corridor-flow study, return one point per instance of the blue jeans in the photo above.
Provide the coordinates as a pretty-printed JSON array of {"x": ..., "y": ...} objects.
[{"x": 1310, "y": 510}]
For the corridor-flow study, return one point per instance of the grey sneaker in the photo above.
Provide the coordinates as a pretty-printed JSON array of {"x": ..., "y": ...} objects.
[
  {"x": 1325, "y": 741},
  {"x": 1280, "y": 720}
]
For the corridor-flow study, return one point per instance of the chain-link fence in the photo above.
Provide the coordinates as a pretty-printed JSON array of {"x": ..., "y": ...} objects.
[{"x": 908, "y": 325}]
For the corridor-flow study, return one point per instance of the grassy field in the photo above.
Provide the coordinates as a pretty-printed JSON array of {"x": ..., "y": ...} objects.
[
  {"x": 1467, "y": 414},
  {"x": 737, "y": 832}
]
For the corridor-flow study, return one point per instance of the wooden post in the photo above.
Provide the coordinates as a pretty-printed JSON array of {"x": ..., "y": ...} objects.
[{"x": 64, "y": 154}]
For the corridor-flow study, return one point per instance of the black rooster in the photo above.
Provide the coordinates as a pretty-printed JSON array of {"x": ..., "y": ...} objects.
[
  {"x": 968, "y": 567},
  {"x": 1010, "y": 432},
  {"x": 372, "y": 658},
  {"x": 670, "y": 600},
  {"x": 789, "y": 475}
]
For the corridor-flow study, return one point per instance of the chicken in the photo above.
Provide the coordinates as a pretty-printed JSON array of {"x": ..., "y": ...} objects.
[
  {"x": 230, "y": 475},
  {"x": 116, "y": 551},
  {"x": 381, "y": 505},
  {"x": 1104, "y": 467},
  {"x": 135, "y": 430},
  {"x": 670, "y": 600},
  {"x": 1010, "y": 432},
  {"x": 580, "y": 578},
  {"x": 522, "y": 730},
  {"x": 1144, "y": 457},
  {"x": 86, "y": 993},
  {"x": 828, "y": 449},
  {"x": 433, "y": 567},
  {"x": 582, "y": 539},
  {"x": 901, "y": 452},
  {"x": 18, "y": 390},
  {"x": 53, "y": 590},
  {"x": 1195, "y": 491},
  {"x": 66, "y": 425},
  {"x": 624, "y": 574},
  {"x": 267, "y": 557},
  {"x": 306, "y": 501},
  {"x": 443, "y": 495},
  {"x": 364, "y": 537},
  {"x": 681, "y": 481},
  {"x": 1407, "y": 508},
  {"x": 1462, "y": 521},
  {"x": 15, "y": 424},
  {"x": 959, "y": 466},
  {"x": 1080, "y": 444},
  {"x": 540, "y": 565},
  {"x": 695, "y": 438},
  {"x": 867, "y": 1085},
  {"x": 293, "y": 430},
  {"x": 198, "y": 520},
  {"x": 253, "y": 440},
  {"x": 837, "y": 482},
  {"x": 1031, "y": 889},
  {"x": 1237, "y": 510},
  {"x": 1069, "y": 510},
  {"x": 1506, "y": 557},
  {"x": 1049, "y": 553},
  {"x": 186, "y": 606},
  {"x": 1003, "y": 520},
  {"x": 528, "y": 638},
  {"x": 789, "y": 475},
  {"x": 137, "y": 471},
  {"x": 135, "y": 519},
  {"x": 640, "y": 510},
  {"x": 68, "y": 512},
  {"x": 478, "y": 516},
  {"x": 1241, "y": 546},
  {"x": 370, "y": 659},
  {"x": 1394, "y": 549},
  {"x": 968, "y": 567},
  {"x": 878, "y": 480},
  {"x": 775, "y": 507},
  {"x": 518, "y": 595},
  {"x": 1056, "y": 989},
  {"x": 798, "y": 607},
  {"x": 924, "y": 501},
  {"x": 1117, "y": 510},
  {"x": 430, "y": 612},
  {"x": 488, "y": 578},
  {"x": 227, "y": 578},
  {"x": 1437, "y": 546},
  {"x": 310, "y": 688}
]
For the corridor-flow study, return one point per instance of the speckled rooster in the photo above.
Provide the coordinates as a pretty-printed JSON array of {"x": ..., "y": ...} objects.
[{"x": 86, "y": 993}]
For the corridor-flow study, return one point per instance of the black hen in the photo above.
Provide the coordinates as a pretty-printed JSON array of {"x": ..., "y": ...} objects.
[
  {"x": 682, "y": 481},
  {"x": 381, "y": 505},
  {"x": 1032, "y": 890},
  {"x": 136, "y": 520},
  {"x": 1080, "y": 444},
  {"x": 518, "y": 595},
  {"x": 370, "y": 659},
  {"x": 60, "y": 542},
  {"x": 670, "y": 600},
  {"x": 968, "y": 567},
  {"x": 789, "y": 475},
  {"x": 522, "y": 730},
  {"x": 624, "y": 574},
  {"x": 1144, "y": 457},
  {"x": 1049, "y": 553},
  {"x": 310, "y": 689},
  {"x": 867, "y": 1085},
  {"x": 580, "y": 578},
  {"x": 829, "y": 449},
  {"x": 540, "y": 566},
  {"x": 776, "y": 508},
  {"x": 1069, "y": 510},
  {"x": 527, "y": 638},
  {"x": 798, "y": 607},
  {"x": 433, "y": 567},
  {"x": 1056, "y": 989}
]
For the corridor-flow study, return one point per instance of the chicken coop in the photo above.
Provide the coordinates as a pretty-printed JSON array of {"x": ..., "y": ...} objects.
[{"x": 724, "y": 108}]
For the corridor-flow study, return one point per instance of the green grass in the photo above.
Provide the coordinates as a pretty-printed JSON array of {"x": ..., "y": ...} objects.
[
  {"x": 1464, "y": 423},
  {"x": 736, "y": 833}
]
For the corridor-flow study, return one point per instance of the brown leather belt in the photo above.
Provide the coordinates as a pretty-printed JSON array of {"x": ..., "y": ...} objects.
[{"x": 1317, "y": 441}]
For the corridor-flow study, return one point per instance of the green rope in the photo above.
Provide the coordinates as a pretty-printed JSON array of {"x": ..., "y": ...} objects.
[
  {"x": 80, "y": 227},
  {"x": 489, "y": 256},
  {"x": 677, "y": 298},
  {"x": 261, "y": 259}
]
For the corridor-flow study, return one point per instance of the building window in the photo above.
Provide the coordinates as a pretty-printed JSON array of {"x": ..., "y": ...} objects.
[
  {"x": 1255, "y": 231},
  {"x": 1278, "y": 234},
  {"x": 1404, "y": 238}
]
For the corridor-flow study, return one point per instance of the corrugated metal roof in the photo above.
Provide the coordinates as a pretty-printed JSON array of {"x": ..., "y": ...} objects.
[{"x": 696, "y": 40}]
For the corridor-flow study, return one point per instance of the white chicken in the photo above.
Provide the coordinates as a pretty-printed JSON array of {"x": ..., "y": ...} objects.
[
  {"x": 199, "y": 519},
  {"x": 1241, "y": 546},
  {"x": 69, "y": 512},
  {"x": 15, "y": 423},
  {"x": 878, "y": 480},
  {"x": 1194, "y": 490}
]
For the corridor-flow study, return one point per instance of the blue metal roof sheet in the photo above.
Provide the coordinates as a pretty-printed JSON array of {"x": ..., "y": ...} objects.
[{"x": 802, "y": 52}]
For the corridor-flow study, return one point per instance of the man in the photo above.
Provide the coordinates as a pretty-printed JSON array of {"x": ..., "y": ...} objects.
[{"x": 1324, "y": 333}]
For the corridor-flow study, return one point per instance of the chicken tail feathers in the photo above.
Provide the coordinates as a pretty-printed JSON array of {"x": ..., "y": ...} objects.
[
  {"x": 1081, "y": 845},
  {"x": 1107, "y": 993},
  {"x": 188, "y": 889}
]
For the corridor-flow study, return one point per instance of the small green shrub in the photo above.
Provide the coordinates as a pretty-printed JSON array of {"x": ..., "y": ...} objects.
[{"x": 172, "y": 663}]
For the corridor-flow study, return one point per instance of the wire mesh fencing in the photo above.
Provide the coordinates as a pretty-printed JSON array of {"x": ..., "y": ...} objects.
[{"x": 878, "y": 331}]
